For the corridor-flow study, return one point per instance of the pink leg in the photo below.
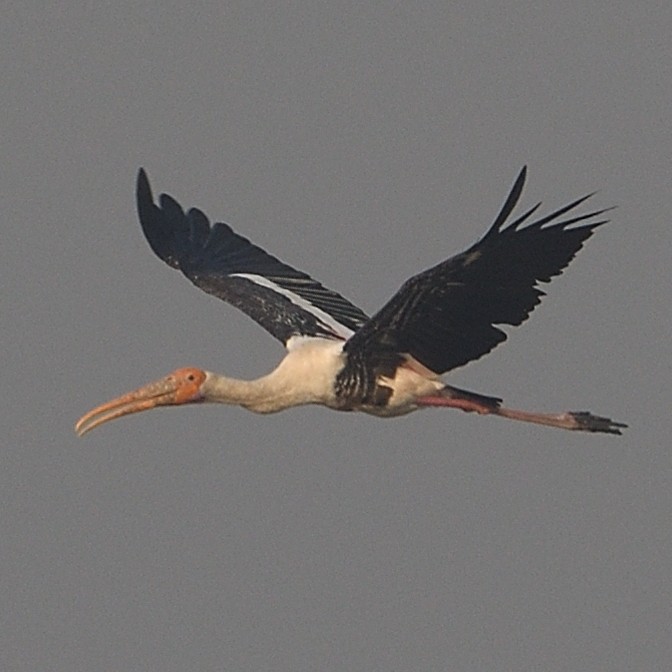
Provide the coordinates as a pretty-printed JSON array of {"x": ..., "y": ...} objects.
[
  {"x": 576, "y": 420},
  {"x": 463, "y": 404}
]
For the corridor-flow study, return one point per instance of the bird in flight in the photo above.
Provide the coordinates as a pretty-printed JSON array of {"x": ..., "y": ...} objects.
[{"x": 387, "y": 365}]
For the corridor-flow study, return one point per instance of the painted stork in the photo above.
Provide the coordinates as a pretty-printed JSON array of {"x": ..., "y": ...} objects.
[{"x": 386, "y": 365}]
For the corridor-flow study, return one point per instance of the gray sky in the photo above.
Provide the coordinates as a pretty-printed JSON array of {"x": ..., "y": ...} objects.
[{"x": 361, "y": 144}]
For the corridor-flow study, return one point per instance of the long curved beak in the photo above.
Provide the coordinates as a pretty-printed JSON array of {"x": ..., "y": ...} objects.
[{"x": 181, "y": 387}]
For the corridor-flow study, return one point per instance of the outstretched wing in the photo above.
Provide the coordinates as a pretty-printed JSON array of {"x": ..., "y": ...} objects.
[
  {"x": 446, "y": 316},
  {"x": 286, "y": 302}
]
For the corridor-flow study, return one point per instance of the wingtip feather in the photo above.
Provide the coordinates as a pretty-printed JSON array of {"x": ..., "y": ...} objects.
[
  {"x": 511, "y": 201},
  {"x": 143, "y": 191}
]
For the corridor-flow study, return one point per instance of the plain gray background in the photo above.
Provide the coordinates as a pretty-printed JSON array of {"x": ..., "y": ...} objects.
[{"x": 361, "y": 143}]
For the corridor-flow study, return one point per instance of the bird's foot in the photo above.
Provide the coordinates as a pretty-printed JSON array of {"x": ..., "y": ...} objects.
[{"x": 587, "y": 422}]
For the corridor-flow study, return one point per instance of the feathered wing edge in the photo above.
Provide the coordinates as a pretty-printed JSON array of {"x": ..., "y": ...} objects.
[
  {"x": 286, "y": 302},
  {"x": 446, "y": 316}
]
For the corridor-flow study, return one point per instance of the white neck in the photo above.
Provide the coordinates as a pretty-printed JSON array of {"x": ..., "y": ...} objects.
[
  {"x": 256, "y": 395},
  {"x": 305, "y": 376}
]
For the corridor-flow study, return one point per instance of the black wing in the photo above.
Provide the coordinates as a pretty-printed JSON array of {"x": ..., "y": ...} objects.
[
  {"x": 445, "y": 316},
  {"x": 284, "y": 301}
]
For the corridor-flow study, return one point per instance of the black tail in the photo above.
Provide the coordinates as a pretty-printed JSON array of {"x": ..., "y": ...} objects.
[{"x": 492, "y": 403}]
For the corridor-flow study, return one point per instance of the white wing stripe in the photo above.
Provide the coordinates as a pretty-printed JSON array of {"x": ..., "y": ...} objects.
[{"x": 326, "y": 319}]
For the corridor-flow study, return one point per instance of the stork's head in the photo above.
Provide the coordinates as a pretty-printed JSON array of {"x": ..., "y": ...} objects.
[{"x": 183, "y": 386}]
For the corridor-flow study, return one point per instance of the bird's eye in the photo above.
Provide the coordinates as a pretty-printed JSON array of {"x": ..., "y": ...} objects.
[{"x": 191, "y": 377}]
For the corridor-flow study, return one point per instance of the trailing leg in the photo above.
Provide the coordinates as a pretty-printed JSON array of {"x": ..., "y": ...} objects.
[
  {"x": 577, "y": 420},
  {"x": 452, "y": 397}
]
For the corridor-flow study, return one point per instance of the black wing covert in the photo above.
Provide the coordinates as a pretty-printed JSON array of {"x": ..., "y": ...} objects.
[
  {"x": 284, "y": 301},
  {"x": 446, "y": 316}
]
